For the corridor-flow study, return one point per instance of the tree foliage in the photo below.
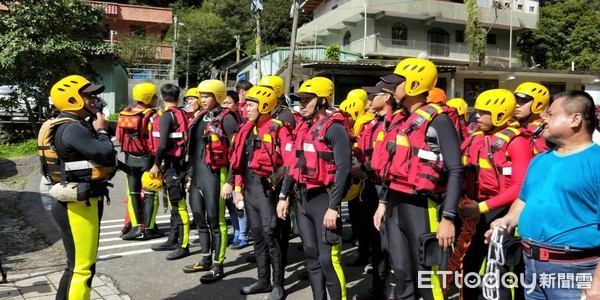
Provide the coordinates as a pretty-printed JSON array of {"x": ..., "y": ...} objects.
[
  {"x": 333, "y": 52},
  {"x": 43, "y": 41},
  {"x": 567, "y": 31},
  {"x": 212, "y": 29},
  {"x": 475, "y": 35},
  {"x": 136, "y": 49}
]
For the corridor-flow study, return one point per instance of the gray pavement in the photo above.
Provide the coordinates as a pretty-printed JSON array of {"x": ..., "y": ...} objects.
[{"x": 130, "y": 270}]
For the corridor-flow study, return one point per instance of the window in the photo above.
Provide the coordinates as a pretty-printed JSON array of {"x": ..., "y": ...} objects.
[
  {"x": 438, "y": 42},
  {"x": 347, "y": 38},
  {"x": 399, "y": 34},
  {"x": 520, "y": 7},
  {"x": 491, "y": 39},
  {"x": 532, "y": 9},
  {"x": 137, "y": 30},
  {"x": 507, "y": 4},
  {"x": 554, "y": 87},
  {"x": 459, "y": 36}
]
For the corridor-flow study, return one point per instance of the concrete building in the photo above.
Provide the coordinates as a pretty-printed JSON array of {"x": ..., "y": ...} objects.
[{"x": 382, "y": 32}]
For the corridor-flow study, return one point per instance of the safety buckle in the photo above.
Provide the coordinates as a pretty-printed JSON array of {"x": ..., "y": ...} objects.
[{"x": 544, "y": 254}]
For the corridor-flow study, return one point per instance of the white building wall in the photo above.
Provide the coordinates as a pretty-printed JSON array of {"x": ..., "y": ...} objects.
[{"x": 327, "y": 6}]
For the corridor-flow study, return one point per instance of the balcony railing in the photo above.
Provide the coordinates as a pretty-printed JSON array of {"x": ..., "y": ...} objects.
[
  {"x": 458, "y": 52},
  {"x": 150, "y": 72}
]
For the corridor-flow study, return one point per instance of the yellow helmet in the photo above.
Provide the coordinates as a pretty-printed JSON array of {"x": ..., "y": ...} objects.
[
  {"x": 152, "y": 184},
  {"x": 65, "y": 93},
  {"x": 420, "y": 75},
  {"x": 320, "y": 86},
  {"x": 354, "y": 107},
  {"x": 536, "y": 92},
  {"x": 193, "y": 92},
  {"x": 436, "y": 95},
  {"x": 500, "y": 103},
  {"x": 358, "y": 94},
  {"x": 274, "y": 82},
  {"x": 264, "y": 96},
  {"x": 460, "y": 105},
  {"x": 144, "y": 92},
  {"x": 215, "y": 87}
]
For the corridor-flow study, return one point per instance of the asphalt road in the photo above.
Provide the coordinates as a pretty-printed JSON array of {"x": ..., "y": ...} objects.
[{"x": 145, "y": 274}]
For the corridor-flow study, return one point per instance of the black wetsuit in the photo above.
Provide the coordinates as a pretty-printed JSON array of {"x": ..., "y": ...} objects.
[
  {"x": 408, "y": 216},
  {"x": 180, "y": 220},
  {"x": 323, "y": 259},
  {"x": 207, "y": 206}
]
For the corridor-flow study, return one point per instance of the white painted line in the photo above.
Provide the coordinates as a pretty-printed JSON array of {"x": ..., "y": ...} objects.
[
  {"x": 121, "y": 220},
  {"x": 132, "y": 244},
  {"x": 121, "y": 254}
]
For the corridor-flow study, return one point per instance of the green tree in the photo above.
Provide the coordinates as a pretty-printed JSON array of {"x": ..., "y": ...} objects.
[
  {"x": 136, "y": 49},
  {"x": 43, "y": 41},
  {"x": 333, "y": 52},
  {"x": 475, "y": 35},
  {"x": 567, "y": 31}
]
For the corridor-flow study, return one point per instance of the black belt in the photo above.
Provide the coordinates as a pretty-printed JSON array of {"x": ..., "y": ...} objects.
[{"x": 565, "y": 254}]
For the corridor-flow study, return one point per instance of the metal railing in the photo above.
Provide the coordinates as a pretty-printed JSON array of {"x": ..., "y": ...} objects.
[
  {"x": 459, "y": 52},
  {"x": 150, "y": 72}
]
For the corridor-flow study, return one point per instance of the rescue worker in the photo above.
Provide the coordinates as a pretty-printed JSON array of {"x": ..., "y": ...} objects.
[
  {"x": 436, "y": 95},
  {"x": 382, "y": 104},
  {"x": 192, "y": 103},
  {"x": 258, "y": 166},
  {"x": 532, "y": 100},
  {"x": 321, "y": 169},
  {"x": 496, "y": 159},
  {"x": 415, "y": 176},
  {"x": 168, "y": 143},
  {"x": 239, "y": 222},
  {"x": 242, "y": 87},
  {"x": 283, "y": 113},
  {"x": 78, "y": 157},
  {"x": 462, "y": 109},
  {"x": 132, "y": 133},
  {"x": 208, "y": 150}
]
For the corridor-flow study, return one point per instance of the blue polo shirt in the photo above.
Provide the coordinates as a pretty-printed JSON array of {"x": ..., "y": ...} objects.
[{"x": 562, "y": 197}]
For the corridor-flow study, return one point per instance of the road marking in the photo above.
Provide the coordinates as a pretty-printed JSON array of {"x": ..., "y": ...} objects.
[{"x": 121, "y": 254}]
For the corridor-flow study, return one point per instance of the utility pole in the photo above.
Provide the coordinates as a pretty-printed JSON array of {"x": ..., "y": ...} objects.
[
  {"x": 256, "y": 7},
  {"x": 187, "y": 73},
  {"x": 288, "y": 79},
  {"x": 238, "y": 46},
  {"x": 510, "y": 36},
  {"x": 174, "y": 48}
]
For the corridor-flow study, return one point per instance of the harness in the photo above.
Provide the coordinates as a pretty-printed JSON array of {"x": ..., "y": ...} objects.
[
  {"x": 487, "y": 164},
  {"x": 413, "y": 166},
  {"x": 314, "y": 161},
  {"x": 55, "y": 169},
  {"x": 216, "y": 142},
  {"x": 177, "y": 138}
]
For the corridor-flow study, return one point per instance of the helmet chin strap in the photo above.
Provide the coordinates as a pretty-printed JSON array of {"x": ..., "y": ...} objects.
[
  {"x": 318, "y": 106},
  {"x": 92, "y": 114},
  {"x": 398, "y": 105}
]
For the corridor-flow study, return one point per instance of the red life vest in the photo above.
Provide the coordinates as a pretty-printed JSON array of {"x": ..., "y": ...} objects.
[
  {"x": 379, "y": 154},
  {"x": 412, "y": 166},
  {"x": 488, "y": 168},
  {"x": 538, "y": 142},
  {"x": 132, "y": 129},
  {"x": 216, "y": 141},
  {"x": 314, "y": 164},
  {"x": 463, "y": 130},
  {"x": 364, "y": 143},
  {"x": 267, "y": 156},
  {"x": 177, "y": 138},
  {"x": 472, "y": 128}
]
